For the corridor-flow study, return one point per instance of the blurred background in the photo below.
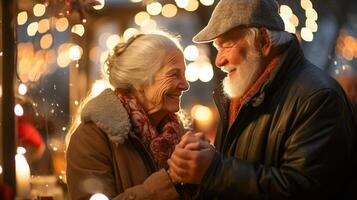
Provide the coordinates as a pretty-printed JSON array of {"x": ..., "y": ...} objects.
[{"x": 61, "y": 46}]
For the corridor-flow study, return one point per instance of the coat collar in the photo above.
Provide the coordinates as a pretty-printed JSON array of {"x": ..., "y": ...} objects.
[{"x": 109, "y": 114}]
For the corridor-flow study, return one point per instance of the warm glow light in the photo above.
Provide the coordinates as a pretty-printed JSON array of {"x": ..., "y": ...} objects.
[
  {"x": 128, "y": 33},
  {"x": 294, "y": 20},
  {"x": 22, "y": 89},
  {"x": 78, "y": 29},
  {"x": 63, "y": 59},
  {"x": 19, "y": 111},
  {"x": 100, "y": 6},
  {"x": 99, "y": 86},
  {"x": 290, "y": 28},
  {"x": 286, "y": 10},
  {"x": 169, "y": 10},
  {"x": 98, "y": 196},
  {"x": 192, "y": 72},
  {"x": 0, "y": 169},
  {"x": 306, "y": 34},
  {"x": 305, "y": 4},
  {"x": 141, "y": 17},
  {"x": 135, "y": 1},
  {"x": 311, "y": 14},
  {"x": 20, "y": 150},
  {"x": 62, "y": 24},
  {"x": 207, "y": 2},
  {"x": 112, "y": 41},
  {"x": 311, "y": 24},
  {"x": 75, "y": 52},
  {"x": 22, "y": 18},
  {"x": 206, "y": 72},
  {"x": 46, "y": 41},
  {"x": 182, "y": 3},
  {"x": 39, "y": 10},
  {"x": 32, "y": 28},
  {"x": 43, "y": 25},
  {"x": 201, "y": 113},
  {"x": 191, "y": 52},
  {"x": 192, "y": 5},
  {"x": 154, "y": 8},
  {"x": 148, "y": 25}
]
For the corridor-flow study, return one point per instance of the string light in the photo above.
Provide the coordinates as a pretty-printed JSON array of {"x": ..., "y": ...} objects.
[
  {"x": 43, "y": 25},
  {"x": 306, "y": 34},
  {"x": 32, "y": 28},
  {"x": 98, "y": 196},
  {"x": 192, "y": 5},
  {"x": 19, "y": 111},
  {"x": 22, "y": 18},
  {"x": 46, "y": 41},
  {"x": 39, "y": 10},
  {"x": 112, "y": 40},
  {"x": 141, "y": 17},
  {"x": 62, "y": 24},
  {"x": 100, "y": 6},
  {"x": 129, "y": 33},
  {"x": 192, "y": 71},
  {"x": 169, "y": 10},
  {"x": 154, "y": 8},
  {"x": 22, "y": 89},
  {"x": 207, "y": 2},
  {"x": 191, "y": 52},
  {"x": 75, "y": 52},
  {"x": 182, "y": 3},
  {"x": 78, "y": 29}
]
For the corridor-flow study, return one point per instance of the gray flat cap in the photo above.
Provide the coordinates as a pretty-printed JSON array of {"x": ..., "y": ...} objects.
[{"x": 229, "y": 14}]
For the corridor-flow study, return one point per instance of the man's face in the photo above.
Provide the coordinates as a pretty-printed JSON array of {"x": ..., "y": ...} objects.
[{"x": 240, "y": 60}]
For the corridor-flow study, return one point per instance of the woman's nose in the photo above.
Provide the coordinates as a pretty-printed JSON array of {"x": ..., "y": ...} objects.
[{"x": 184, "y": 85}]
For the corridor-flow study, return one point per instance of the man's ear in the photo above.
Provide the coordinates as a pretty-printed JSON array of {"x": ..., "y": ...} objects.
[{"x": 265, "y": 41}]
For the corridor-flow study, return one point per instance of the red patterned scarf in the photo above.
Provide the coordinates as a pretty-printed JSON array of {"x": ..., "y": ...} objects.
[{"x": 161, "y": 143}]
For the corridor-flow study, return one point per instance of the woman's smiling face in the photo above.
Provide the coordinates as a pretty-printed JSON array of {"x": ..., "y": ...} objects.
[{"x": 164, "y": 93}]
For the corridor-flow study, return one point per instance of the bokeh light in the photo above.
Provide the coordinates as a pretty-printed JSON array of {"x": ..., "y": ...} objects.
[
  {"x": 75, "y": 52},
  {"x": 148, "y": 25},
  {"x": 22, "y": 18},
  {"x": 112, "y": 40},
  {"x": 207, "y": 2},
  {"x": 286, "y": 10},
  {"x": 43, "y": 25},
  {"x": 192, "y": 72},
  {"x": 191, "y": 52},
  {"x": 182, "y": 3},
  {"x": 306, "y": 34},
  {"x": 192, "y": 5},
  {"x": 154, "y": 8},
  {"x": 206, "y": 72},
  {"x": 32, "y": 29},
  {"x": 20, "y": 150},
  {"x": 39, "y": 10},
  {"x": 128, "y": 33},
  {"x": 169, "y": 10},
  {"x": 141, "y": 17},
  {"x": 78, "y": 29},
  {"x": 98, "y": 196},
  {"x": 100, "y": 6},
  {"x": 201, "y": 113},
  {"x": 311, "y": 14},
  {"x": 19, "y": 111},
  {"x": 311, "y": 24},
  {"x": 305, "y": 4},
  {"x": 46, "y": 41},
  {"x": 62, "y": 24},
  {"x": 22, "y": 89}
]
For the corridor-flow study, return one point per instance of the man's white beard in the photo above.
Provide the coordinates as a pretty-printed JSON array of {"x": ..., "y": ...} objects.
[{"x": 245, "y": 75}]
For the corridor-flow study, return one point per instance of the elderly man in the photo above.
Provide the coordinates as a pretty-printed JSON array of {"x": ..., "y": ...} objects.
[{"x": 287, "y": 131}]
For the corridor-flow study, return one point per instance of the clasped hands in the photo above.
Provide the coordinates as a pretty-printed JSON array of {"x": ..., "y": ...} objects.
[{"x": 190, "y": 159}]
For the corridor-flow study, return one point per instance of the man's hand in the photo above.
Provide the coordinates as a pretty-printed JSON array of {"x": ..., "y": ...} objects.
[{"x": 191, "y": 159}]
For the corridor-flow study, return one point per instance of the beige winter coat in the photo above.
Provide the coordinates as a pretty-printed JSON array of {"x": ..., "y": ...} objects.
[{"x": 104, "y": 156}]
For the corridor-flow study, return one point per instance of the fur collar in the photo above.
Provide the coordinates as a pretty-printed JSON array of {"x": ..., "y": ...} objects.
[{"x": 109, "y": 114}]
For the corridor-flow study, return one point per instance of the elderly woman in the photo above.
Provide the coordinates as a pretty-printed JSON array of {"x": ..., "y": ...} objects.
[{"x": 121, "y": 147}]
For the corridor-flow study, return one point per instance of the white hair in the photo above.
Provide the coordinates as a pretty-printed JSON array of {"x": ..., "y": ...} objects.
[
  {"x": 137, "y": 60},
  {"x": 277, "y": 38}
]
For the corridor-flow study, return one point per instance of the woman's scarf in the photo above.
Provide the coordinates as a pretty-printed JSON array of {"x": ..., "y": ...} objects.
[{"x": 161, "y": 143}]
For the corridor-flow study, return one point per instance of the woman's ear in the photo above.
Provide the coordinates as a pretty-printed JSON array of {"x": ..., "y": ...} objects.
[{"x": 265, "y": 41}]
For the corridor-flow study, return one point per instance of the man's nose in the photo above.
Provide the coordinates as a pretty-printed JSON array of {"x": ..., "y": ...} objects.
[{"x": 220, "y": 60}]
